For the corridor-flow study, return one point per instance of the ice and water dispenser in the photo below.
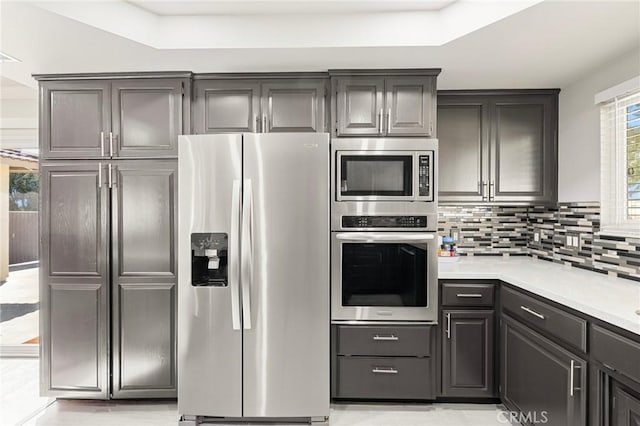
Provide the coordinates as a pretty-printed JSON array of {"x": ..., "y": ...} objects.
[{"x": 209, "y": 259}]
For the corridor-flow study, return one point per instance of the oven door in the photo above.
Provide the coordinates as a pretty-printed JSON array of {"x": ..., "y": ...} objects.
[{"x": 384, "y": 276}]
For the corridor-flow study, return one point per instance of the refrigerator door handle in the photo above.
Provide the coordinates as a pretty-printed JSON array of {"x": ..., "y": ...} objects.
[
  {"x": 247, "y": 253},
  {"x": 234, "y": 260}
]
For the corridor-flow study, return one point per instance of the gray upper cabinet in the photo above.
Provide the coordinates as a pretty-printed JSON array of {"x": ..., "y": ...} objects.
[
  {"x": 226, "y": 106},
  {"x": 384, "y": 103},
  {"x": 259, "y": 105},
  {"x": 147, "y": 117},
  {"x": 360, "y": 107},
  {"x": 75, "y": 119},
  {"x": 112, "y": 118},
  {"x": 74, "y": 281},
  {"x": 498, "y": 146},
  {"x": 144, "y": 217}
]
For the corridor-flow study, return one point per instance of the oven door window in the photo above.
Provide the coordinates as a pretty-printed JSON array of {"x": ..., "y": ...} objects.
[
  {"x": 384, "y": 274},
  {"x": 376, "y": 175}
]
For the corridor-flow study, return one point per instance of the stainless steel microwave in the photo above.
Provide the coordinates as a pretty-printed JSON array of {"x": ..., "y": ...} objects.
[{"x": 384, "y": 169}]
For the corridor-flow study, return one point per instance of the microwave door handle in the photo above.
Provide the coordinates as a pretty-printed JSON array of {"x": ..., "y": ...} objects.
[{"x": 384, "y": 236}]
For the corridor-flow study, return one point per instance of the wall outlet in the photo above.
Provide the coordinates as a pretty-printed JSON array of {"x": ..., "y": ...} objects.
[
  {"x": 568, "y": 241},
  {"x": 454, "y": 233},
  {"x": 536, "y": 237}
]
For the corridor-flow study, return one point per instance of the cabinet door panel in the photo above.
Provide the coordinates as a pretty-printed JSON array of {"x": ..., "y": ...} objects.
[
  {"x": 147, "y": 117},
  {"x": 463, "y": 135},
  {"x": 72, "y": 116},
  {"x": 359, "y": 106},
  {"x": 144, "y": 277},
  {"x": 227, "y": 106},
  {"x": 467, "y": 357},
  {"x": 73, "y": 281},
  {"x": 536, "y": 377},
  {"x": 294, "y": 106},
  {"x": 409, "y": 103},
  {"x": 522, "y": 150},
  {"x": 625, "y": 408}
]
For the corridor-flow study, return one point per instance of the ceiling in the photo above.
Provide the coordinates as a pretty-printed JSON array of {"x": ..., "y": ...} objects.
[{"x": 494, "y": 44}]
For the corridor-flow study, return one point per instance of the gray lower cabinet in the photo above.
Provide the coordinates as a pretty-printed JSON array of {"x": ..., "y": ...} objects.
[
  {"x": 260, "y": 105},
  {"x": 468, "y": 353},
  {"x": 498, "y": 146},
  {"x": 540, "y": 379},
  {"x": 624, "y": 407},
  {"x": 108, "y": 279}
]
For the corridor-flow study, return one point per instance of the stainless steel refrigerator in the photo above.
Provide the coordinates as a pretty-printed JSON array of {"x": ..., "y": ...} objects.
[{"x": 253, "y": 295}]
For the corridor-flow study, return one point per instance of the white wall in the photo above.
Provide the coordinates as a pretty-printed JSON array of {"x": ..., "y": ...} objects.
[{"x": 579, "y": 128}]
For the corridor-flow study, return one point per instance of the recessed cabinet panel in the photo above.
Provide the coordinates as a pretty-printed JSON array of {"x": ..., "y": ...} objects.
[
  {"x": 462, "y": 135},
  {"x": 147, "y": 117},
  {"x": 295, "y": 106},
  {"x": 74, "y": 215},
  {"x": 227, "y": 106},
  {"x": 147, "y": 336},
  {"x": 408, "y": 104},
  {"x": 360, "y": 106},
  {"x": 75, "y": 334},
  {"x": 625, "y": 408},
  {"x": 72, "y": 117},
  {"x": 146, "y": 217}
]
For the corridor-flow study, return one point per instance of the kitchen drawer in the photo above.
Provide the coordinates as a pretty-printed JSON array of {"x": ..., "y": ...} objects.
[
  {"x": 556, "y": 322},
  {"x": 384, "y": 378},
  {"x": 617, "y": 352},
  {"x": 384, "y": 340},
  {"x": 462, "y": 294}
]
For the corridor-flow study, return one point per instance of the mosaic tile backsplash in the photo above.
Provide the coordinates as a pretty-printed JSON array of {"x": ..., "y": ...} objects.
[{"x": 562, "y": 234}]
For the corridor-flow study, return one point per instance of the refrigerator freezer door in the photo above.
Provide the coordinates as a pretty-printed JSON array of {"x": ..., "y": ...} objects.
[
  {"x": 209, "y": 332},
  {"x": 286, "y": 350}
]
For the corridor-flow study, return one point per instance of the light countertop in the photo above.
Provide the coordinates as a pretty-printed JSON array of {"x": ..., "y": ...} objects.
[{"x": 610, "y": 299}]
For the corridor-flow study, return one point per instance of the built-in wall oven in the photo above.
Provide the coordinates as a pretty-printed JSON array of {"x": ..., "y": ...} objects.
[{"x": 384, "y": 221}]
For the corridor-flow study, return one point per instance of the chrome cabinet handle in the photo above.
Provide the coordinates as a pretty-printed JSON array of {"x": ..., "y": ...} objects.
[
  {"x": 110, "y": 144},
  {"x": 469, "y": 295},
  {"x": 532, "y": 312},
  {"x": 572, "y": 387},
  {"x": 234, "y": 258},
  {"x": 380, "y": 121},
  {"x": 389, "y": 121},
  {"x": 379, "y": 370},
  {"x": 99, "y": 175},
  {"x": 492, "y": 191},
  {"x": 101, "y": 144},
  {"x": 386, "y": 338},
  {"x": 110, "y": 170},
  {"x": 264, "y": 124},
  {"x": 246, "y": 246},
  {"x": 483, "y": 191},
  {"x": 448, "y": 326},
  {"x": 258, "y": 128}
]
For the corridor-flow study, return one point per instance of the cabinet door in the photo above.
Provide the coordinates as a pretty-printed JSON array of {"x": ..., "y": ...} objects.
[
  {"x": 523, "y": 152},
  {"x": 409, "y": 106},
  {"x": 463, "y": 135},
  {"x": 147, "y": 117},
  {"x": 540, "y": 379},
  {"x": 74, "y": 281},
  {"x": 467, "y": 353},
  {"x": 144, "y": 215},
  {"x": 293, "y": 106},
  {"x": 359, "y": 106},
  {"x": 624, "y": 407},
  {"x": 227, "y": 106},
  {"x": 75, "y": 118}
]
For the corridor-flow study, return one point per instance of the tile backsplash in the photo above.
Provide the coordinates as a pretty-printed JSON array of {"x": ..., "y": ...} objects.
[{"x": 563, "y": 234}]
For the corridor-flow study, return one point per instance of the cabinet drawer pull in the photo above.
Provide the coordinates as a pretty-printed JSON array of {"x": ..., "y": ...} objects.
[
  {"x": 101, "y": 144},
  {"x": 391, "y": 337},
  {"x": 384, "y": 370},
  {"x": 532, "y": 312},
  {"x": 469, "y": 295}
]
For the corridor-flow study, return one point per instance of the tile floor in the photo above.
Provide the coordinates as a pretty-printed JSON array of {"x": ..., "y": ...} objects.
[{"x": 21, "y": 405}]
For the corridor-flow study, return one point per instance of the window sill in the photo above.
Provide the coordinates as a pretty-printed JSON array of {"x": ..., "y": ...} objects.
[{"x": 620, "y": 232}]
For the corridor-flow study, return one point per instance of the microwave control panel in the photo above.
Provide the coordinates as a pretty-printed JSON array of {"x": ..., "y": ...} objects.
[
  {"x": 384, "y": 221},
  {"x": 423, "y": 175}
]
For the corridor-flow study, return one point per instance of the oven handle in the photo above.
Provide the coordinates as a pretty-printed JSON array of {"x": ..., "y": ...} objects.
[{"x": 385, "y": 236}]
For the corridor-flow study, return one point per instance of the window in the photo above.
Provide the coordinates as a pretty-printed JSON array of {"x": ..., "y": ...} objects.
[{"x": 620, "y": 127}]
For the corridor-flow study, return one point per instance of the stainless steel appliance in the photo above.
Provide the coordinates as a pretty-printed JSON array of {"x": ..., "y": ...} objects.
[
  {"x": 253, "y": 276},
  {"x": 384, "y": 222}
]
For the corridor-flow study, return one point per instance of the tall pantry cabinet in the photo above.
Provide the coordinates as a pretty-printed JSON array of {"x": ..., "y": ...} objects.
[{"x": 108, "y": 216}]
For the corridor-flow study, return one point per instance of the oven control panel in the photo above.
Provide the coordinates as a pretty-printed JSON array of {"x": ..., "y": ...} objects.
[
  {"x": 423, "y": 175},
  {"x": 384, "y": 221}
]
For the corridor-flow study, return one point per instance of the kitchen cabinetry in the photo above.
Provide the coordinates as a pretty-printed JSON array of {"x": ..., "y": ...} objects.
[
  {"x": 498, "y": 146},
  {"x": 113, "y": 118},
  {"x": 108, "y": 268},
  {"x": 382, "y": 362},
  {"x": 468, "y": 343},
  {"x": 262, "y": 105},
  {"x": 383, "y": 103}
]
